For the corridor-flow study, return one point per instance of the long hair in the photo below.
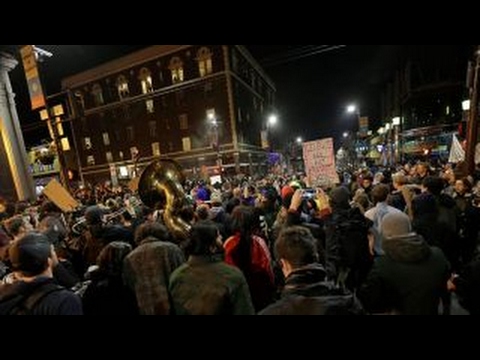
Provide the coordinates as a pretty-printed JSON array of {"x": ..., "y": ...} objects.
[
  {"x": 111, "y": 258},
  {"x": 244, "y": 221},
  {"x": 202, "y": 239}
]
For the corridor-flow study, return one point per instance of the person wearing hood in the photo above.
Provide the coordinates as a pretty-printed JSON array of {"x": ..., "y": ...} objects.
[
  {"x": 411, "y": 278},
  {"x": 348, "y": 255},
  {"x": 306, "y": 291}
]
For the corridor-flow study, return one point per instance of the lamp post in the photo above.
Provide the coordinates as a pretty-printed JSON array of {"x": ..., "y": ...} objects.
[
  {"x": 352, "y": 148},
  {"x": 213, "y": 121},
  {"x": 271, "y": 123}
]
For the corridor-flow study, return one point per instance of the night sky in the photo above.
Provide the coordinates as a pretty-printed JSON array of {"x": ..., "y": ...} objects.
[{"x": 312, "y": 91}]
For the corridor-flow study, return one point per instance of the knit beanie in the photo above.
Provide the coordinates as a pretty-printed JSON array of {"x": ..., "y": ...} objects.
[{"x": 396, "y": 224}]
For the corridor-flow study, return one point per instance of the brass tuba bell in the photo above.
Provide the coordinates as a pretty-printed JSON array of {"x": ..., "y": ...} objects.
[{"x": 161, "y": 187}]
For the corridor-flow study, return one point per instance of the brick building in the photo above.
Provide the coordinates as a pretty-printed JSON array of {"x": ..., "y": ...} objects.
[{"x": 202, "y": 105}]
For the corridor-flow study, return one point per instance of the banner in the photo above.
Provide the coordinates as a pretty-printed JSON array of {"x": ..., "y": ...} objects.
[
  {"x": 57, "y": 194},
  {"x": 457, "y": 154},
  {"x": 319, "y": 158},
  {"x": 33, "y": 78}
]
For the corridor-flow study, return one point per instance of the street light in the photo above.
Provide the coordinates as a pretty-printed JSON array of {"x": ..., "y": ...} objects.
[
  {"x": 213, "y": 121},
  {"x": 272, "y": 120},
  {"x": 267, "y": 139},
  {"x": 345, "y": 135},
  {"x": 352, "y": 109},
  {"x": 299, "y": 140}
]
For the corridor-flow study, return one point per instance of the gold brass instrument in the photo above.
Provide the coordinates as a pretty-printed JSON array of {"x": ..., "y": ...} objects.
[
  {"x": 81, "y": 224},
  {"x": 161, "y": 188}
]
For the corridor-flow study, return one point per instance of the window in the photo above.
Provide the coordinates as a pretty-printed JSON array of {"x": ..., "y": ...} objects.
[
  {"x": 187, "y": 144},
  {"x": 150, "y": 106},
  {"x": 176, "y": 67},
  {"x": 167, "y": 124},
  {"x": 208, "y": 88},
  {"x": 183, "y": 119},
  {"x": 106, "y": 139},
  {"x": 87, "y": 143},
  {"x": 180, "y": 95},
  {"x": 97, "y": 94},
  {"x": 146, "y": 81},
  {"x": 80, "y": 101},
  {"x": 91, "y": 160},
  {"x": 164, "y": 102},
  {"x": 109, "y": 157},
  {"x": 204, "y": 58},
  {"x": 120, "y": 155},
  {"x": 170, "y": 146},
  {"x": 152, "y": 129},
  {"x": 118, "y": 135},
  {"x": 83, "y": 122},
  {"x": 156, "y": 149},
  {"x": 130, "y": 133},
  {"x": 122, "y": 87}
]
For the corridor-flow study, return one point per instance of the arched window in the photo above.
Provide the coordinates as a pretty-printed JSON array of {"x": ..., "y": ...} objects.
[
  {"x": 146, "y": 81},
  {"x": 176, "y": 67},
  {"x": 97, "y": 94},
  {"x": 122, "y": 87},
  {"x": 204, "y": 58}
]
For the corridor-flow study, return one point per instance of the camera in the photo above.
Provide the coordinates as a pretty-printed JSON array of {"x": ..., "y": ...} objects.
[{"x": 309, "y": 194}]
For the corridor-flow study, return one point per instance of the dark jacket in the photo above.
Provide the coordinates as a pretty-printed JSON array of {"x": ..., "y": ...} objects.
[
  {"x": 60, "y": 302},
  {"x": 468, "y": 287},
  {"x": 208, "y": 286},
  {"x": 347, "y": 243},
  {"x": 435, "y": 219},
  {"x": 108, "y": 296},
  {"x": 409, "y": 279},
  {"x": 307, "y": 293}
]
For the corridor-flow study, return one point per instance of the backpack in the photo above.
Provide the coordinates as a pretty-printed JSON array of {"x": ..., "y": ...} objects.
[{"x": 23, "y": 304}]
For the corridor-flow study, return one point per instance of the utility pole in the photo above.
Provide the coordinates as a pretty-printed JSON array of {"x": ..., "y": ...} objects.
[{"x": 472, "y": 132}]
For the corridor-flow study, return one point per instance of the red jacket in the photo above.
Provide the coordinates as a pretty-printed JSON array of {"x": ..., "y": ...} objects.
[{"x": 259, "y": 275}]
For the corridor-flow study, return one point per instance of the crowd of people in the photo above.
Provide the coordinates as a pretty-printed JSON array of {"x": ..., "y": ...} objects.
[{"x": 392, "y": 241}]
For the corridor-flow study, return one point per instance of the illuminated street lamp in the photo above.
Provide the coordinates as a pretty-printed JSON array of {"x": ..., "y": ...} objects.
[
  {"x": 299, "y": 140},
  {"x": 352, "y": 109},
  {"x": 345, "y": 135},
  {"x": 272, "y": 120},
  {"x": 215, "y": 141}
]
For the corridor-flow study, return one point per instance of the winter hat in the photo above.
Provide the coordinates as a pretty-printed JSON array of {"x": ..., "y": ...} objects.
[
  {"x": 396, "y": 224},
  {"x": 340, "y": 198},
  {"x": 287, "y": 191}
]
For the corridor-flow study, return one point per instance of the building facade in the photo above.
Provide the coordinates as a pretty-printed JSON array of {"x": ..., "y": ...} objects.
[
  {"x": 202, "y": 105},
  {"x": 425, "y": 95}
]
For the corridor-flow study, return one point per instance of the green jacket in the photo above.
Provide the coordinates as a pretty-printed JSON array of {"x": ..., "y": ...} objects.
[{"x": 208, "y": 286}]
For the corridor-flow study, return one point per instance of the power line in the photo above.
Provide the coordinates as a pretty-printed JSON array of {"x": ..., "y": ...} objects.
[{"x": 299, "y": 53}]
